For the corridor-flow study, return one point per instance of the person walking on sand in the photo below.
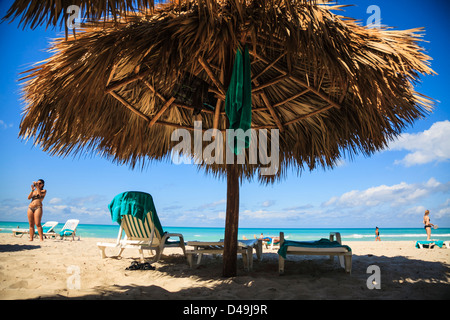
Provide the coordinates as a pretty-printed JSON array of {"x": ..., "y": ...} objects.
[
  {"x": 34, "y": 211},
  {"x": 377, "y": 234},
  {"x": 427, "y": 223}
]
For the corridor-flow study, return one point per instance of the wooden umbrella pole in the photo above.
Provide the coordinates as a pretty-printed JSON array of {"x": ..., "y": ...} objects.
[
  {"x": 231, "y": 221},
  {"x": 232, "y": 211}
]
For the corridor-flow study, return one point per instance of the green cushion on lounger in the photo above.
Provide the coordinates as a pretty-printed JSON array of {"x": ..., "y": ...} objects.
[
  {"x": 44, "y": 230},
  {"x": 322, "y": 243},
  {"x": 427, "y": 243},
  {"x": 66, "y": 232}
]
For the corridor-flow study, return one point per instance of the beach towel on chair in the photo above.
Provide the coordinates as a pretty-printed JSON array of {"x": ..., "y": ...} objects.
[{"x": 136, "y": 204}]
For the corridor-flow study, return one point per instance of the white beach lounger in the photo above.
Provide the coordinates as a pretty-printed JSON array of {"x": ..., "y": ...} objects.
[
  {"x": 69, "y": 229},
  {"x": 322, "y": 247},
  {"x": 141, "y": 236},
  {"x": 146, "y": 234},
  {"x": 245, "y": 249},
  {"x": 429, "y": 244},
  {"x": 47, "y": 228},
  {"x": 19, "y": 232}
]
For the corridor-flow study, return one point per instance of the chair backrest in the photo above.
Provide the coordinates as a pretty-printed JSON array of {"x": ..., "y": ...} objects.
[
  {"x": 136, "y": 229},
  {"x": 70, "y": 224},
  {"x": 49, "y": 226}
]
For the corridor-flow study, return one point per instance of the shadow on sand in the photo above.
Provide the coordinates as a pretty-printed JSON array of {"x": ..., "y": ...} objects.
[
  {"x": 308, "y": 277},
  {"x": 17, "y": 247}
]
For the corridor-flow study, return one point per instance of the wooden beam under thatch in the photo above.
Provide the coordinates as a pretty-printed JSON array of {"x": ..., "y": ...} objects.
[
  {"x": 269, "y": 66},
  {"x": 128, "y": 105},
  {"x": 161, "y": 111},
  {"x": 212, "y": 76},
  {"x": 124, "y": 82},
  {"x": 295, "y": 96},
  {"x": 269, "y": 83},
  {"x": 301, "y": 82}
]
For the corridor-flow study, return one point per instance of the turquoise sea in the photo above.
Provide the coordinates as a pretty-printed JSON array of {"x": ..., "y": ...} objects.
[{"x": 214, "y": 234}]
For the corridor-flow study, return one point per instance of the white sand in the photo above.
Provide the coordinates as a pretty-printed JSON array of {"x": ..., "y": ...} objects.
[{"x": 49, "y": 269}]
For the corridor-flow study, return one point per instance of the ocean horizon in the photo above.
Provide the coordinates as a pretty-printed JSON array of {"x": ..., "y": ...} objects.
[{"x": 217, "y": 233}]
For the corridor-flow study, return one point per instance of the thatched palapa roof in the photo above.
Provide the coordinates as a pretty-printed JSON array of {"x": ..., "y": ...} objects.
[{"x": 330, "y": 85}]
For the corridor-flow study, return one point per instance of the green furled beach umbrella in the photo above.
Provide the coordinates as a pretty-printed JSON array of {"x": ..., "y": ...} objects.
[{"x": 323, "y": 84}]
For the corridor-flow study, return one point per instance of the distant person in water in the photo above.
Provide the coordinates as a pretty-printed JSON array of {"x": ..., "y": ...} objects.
[
  {"x": 377, "y": 234},
  {"x": 34, "y": 212},
  {"x": 427, "y": 223}
]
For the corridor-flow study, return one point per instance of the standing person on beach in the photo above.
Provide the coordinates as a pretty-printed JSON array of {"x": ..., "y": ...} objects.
[
  {"x": 377, "y": 234},
  {"x": 34, "y": 212},
  {"x": 428, "y": 224}
]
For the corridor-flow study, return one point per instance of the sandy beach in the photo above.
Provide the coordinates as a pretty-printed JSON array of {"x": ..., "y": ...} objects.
[{"x": 56, "y": 269}]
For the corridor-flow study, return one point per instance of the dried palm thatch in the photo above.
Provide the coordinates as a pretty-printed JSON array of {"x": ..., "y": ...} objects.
[
  {"x": 51, "y": 12},
  {"x": 330, "y": 85}
]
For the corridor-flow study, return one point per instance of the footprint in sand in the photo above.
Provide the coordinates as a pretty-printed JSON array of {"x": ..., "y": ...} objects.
[{"x": 19, "y": 285}]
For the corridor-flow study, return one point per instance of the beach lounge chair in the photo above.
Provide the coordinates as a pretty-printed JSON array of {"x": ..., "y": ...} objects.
[
  {"x": 19, "y": 232},
  {"x": 327, "y": 247},
  {"x": 136, "y": 214},
  {"x": 430, "y": 244},
  {"x": 245, "y": 248},
  {"x": 269, "y": 240},
  {"x": 69, "y": 229},
  {"x": 254, "y": 244},
  {"x": 274, "y": 241},
  {"x": 47, "y": 228}
]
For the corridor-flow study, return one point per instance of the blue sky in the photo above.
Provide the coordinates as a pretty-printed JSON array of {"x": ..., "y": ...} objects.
[{"x": 390, "y": 189}]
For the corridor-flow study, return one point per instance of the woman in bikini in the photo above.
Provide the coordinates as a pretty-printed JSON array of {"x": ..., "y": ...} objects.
[
  {"x": 34, "y": 212},
  {"x": 377, "y": 234},
  {"x": 428, "y": 224}
]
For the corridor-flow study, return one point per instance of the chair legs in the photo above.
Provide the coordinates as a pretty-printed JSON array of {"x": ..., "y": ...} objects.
[
  {"x": 344, "y": 260},
  {"x": 348, "y": 263},
  {"x": 280, "y": 265},
  {"x": 102, "y": 252}
]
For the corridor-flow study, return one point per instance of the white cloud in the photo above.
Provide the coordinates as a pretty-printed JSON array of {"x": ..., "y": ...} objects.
[
  {"x": 212, "y": 205},
  {"x": 264, "y": 214},
  {"x": 4, "y": 125},
  {"x": 268, "y": 203},
  {"x": 425, "y": 147},
  {"x": 207, "y": 214},
  {"x": 55, "y": 200},
  {"x": 341, "y": 163},
  {"x": 395, "y": 195},
  {"x": 412, "y": 212},
  {"x": 88, "y": 209},
  {"x": 401, "y": 204},
  {"x": 443, "y": 210}
]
